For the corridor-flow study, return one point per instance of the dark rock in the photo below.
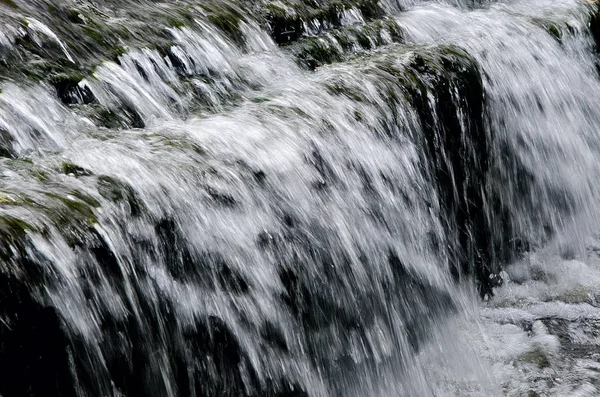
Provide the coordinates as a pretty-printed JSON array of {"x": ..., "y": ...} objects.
[
  {"x": 274, "y": 336},
  {"x": 6, "y": 144},
  {"x": 73, "y": 169},
  {"x": 72, "y": 92},
  {"x": 119, "y": 192},
  {"x": 34, "y": 354},
  {"x": 594, "y": 24},
  {"x": 221, "y": 198},
  {"x": 458, "y": 156}
]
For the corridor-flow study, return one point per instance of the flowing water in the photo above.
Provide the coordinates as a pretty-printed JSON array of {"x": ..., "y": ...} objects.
[{"x": 260, "y": 198}]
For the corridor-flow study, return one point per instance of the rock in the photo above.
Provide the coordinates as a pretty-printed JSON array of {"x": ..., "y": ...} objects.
[
  {"x": 341, "y": 43},
  {"x": 75, "y": 170},
  {"x": 72, "y": 91},
  {"x": 292, "y": 20}
]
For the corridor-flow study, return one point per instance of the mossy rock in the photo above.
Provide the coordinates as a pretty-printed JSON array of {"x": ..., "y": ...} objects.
[
  {"x": 443, "y": 85},
  {"x": 538, "y": 357},
  {"x": 342, "y": 43},
  {"x": 556, "y": 29},
  {"x": 94, "y": 33},
  {"x": 12, "y": 237},
  {"x": 14, "y": 227},
  {"x": 6, "y": 144},
  {"x": 72, "y": 214},
  {"x": 123, "y": 118},
  {"x": 340, "y": 89},
  {"x": 75, "y": 170},
  {"x": 594, "y": 23},
  {"x": 70, "y": 90},
  {"x": 69, "y": 210},
  {"x": 228, "y": 19},
  {"x": 89, "y": 200},
  {"x": 180, "y": 143},
  {"x": 9, "y": 3},
  {"x": 119, "y": 192},
  {"x": 288, "y": 21}
]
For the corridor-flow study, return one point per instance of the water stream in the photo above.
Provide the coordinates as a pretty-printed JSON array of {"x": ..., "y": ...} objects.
[{"x": 305, "y": 198}]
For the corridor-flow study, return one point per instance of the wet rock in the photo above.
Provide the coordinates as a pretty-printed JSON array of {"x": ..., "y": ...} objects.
[
  {"x": 123, "y": 117},
  {"x": 231, "y": 280},
  {"x": 119, "y": 192},
  {"x": 335, "y": 46},
  {"x": 6, "y": 144},
  {"x": 594, "y": 22},
  {"x": 221, "y": 198},
  {"x": 268, "y": 241},
  {"x": 9, "y": 3},
  {"x": 274, "y": 336},
  {"x": 456, "y": 148},
  {"x": 71, "y": 91},
  {"x": 75, "y": 170},
  {"x": 34, "y": 355},
  {"x": 537, "y": 357},
  {"x": 459, "y": 156},
  {"x": 218, "y": 357},
  {"x": 260, "y": 176},
  {"x": 178, "y": 259},
  {"x": 34, "y": 349},
  {"x": 290, "y": 21},
  {"x": 420, "y": 298}
]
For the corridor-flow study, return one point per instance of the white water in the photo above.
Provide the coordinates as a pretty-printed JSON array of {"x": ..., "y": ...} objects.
[{"x": 251, "y": 164}]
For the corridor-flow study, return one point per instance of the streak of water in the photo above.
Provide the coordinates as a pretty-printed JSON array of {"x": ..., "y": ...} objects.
[{"x": 200, "y": 215}]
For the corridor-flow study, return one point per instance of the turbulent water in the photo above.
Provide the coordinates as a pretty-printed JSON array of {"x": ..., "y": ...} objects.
[{"x": 309, "y": 198}]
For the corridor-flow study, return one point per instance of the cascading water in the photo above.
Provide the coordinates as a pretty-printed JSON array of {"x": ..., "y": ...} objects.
[{"x": 257, "y": 198}]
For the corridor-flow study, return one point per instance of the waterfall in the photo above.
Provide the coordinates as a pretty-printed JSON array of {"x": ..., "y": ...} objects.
[{"x": 306, "y": 198}]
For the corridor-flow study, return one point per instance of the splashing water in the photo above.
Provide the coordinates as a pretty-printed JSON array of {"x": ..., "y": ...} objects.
[{"x": 299, "y": 199}]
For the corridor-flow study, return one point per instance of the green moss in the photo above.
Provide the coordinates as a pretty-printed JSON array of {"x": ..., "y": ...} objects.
[
  {"x": 91, "y": 36},
  {"x": 80, "y": 208},
  {"x": 228, "y": 23},
  {"x": 95, "y": 34},
  {"x": 179, "y": 143},
  {"x": 86, "y": 199},
  {"x": 341, "y": 90},
  {"x": 120, "y": 51},
  {"x": 12, "y": 234},
  {"x": 553, "y": 28},
  {"x": 227, "y": 18},
  {"x": 341, "y": 43},
  {"x": 6, "y": 200},
  {"x": 10, "y": 199},
  {"x": 9, "y": 3},
  {"x": 14, "y": 227},
  {"x": 447, "y": 65},
  {"x": 72, "y": 169},
  {"x": 118, "y": 192},
  {"x": 362, "y": 38},
  {"x": 276, "y": 11},
  {"x": 111, "y": 189},
  {"x": 286, "y": 25},
  {"x": 108, "y": 118},
  {"x": 259, "y": 100},
  {"x": 176, "y": 22},
  {"x": 126, "y": 117},
  {"x": 538, "y": 357},
  {"x": 555, "y": 32},
  {"x": 41, "y": 176}
]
